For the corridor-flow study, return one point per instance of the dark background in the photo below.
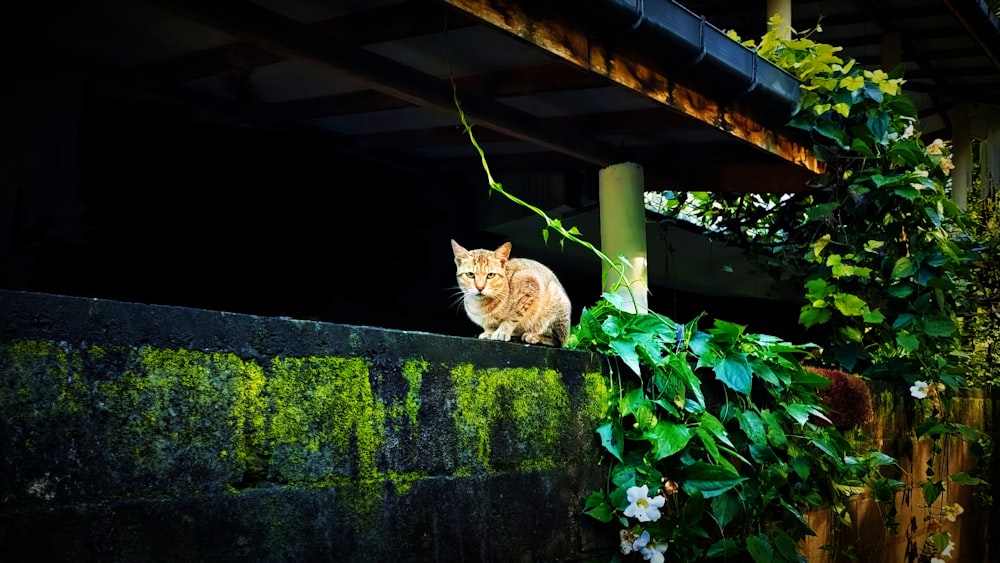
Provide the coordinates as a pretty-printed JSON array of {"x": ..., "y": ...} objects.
[{"x": 141, "y": 201}]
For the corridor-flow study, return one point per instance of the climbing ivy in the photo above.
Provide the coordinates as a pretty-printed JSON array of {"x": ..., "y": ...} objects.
[{"x": 717, "y": 441}]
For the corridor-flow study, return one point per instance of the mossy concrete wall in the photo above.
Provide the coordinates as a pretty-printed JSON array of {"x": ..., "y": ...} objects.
[{"x": 134, "y": 432}]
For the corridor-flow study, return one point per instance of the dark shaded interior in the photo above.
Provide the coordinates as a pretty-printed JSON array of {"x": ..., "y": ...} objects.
[{"x": 160, "y": 208}]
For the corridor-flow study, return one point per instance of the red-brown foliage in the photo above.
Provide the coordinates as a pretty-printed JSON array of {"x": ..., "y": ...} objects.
[{"x": 848, "y": 397}]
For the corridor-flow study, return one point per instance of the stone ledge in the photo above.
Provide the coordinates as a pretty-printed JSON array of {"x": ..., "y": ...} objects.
[{"x": 146, "y": 432}]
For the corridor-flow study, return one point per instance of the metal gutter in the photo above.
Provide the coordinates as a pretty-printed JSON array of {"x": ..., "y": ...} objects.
[{"x": 699, "y": 53}]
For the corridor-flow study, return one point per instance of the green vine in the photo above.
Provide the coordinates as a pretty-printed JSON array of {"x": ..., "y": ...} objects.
[{"x": 718, "y": 441}]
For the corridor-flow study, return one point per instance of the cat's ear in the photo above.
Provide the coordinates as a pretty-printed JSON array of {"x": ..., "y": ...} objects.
[
  {"x": 457, "y": 249},
  {"x": 503, "y": 253}
]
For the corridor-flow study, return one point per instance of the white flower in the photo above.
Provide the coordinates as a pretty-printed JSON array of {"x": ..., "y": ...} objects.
[
  {"x": 920, "y": 389},
  {"x": 937, "y": 147},
  {"x": 649, "y": 548},
  {"x": 641, "y": 507},
  {"x": 936, "y": 560},
  {"x": 627, "y": 539},
  {"x": 947, "y": 551},
  {"x": 950, "y": 513}
]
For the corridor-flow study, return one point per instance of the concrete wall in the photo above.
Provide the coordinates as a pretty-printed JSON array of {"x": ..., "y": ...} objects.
[
  {"x": 148, "y": 433},
  {"x": 134, "y": 432}
]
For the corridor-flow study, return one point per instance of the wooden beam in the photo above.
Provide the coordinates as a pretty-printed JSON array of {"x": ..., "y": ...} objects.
[
  {"x": 549, "y": 77},
  {"x": 277, "y": 33},
  {"x": 573, "y": 43},
  {"x": 395, "y": 21}
]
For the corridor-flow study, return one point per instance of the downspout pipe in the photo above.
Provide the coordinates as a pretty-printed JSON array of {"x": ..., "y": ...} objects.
[{"x": 700, "y": 54}]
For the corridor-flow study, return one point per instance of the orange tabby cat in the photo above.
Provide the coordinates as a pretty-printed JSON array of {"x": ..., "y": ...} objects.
[{"x": 512, "y": 297}]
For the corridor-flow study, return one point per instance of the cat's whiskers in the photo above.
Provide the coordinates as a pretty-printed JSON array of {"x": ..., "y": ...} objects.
[{"x": 457, "y": 298}]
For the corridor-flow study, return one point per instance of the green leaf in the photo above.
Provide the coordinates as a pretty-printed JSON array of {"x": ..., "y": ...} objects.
[
  {"x": 598, "y": 507},
  {"x": 907, "y": 341},
  {"x": 752, "y": 426},
  {"x": 826, "y": 448},
  {"x": 851, "y": 333},
  {"x": 626, "y": 351},
  {"x": 873, "y": 317},
  {"x": 906, "y": 154},
  {"x": 764, "y": 371},
  {"x": 812, "y": 316},
  {"x": 725, "y": 507},
  {"x": 787, "y": 547},
  {"x": 902, "y": 321},
  {"x": 878, "y": 124},
  {"x": 759, "y": 547},
  {"x": 963, "y": 478},
  {"x": 818, "y": 247},
  {"x": 803, "y": 377},
  {"x": 903, "y": 268},
  {"x": 668, "y": 438},
  {"x": 762, "y": 454},
  {"x": 885, "y": 488},
  {"x": 612, "y": 438},
  {"x": 678, "y": 365},
  {"x": 699, "y": 343},
  {"x": 849, "y": 305},
  {"x": 710, "y": 480},
  {"x": 723, "y": 548},
  {"x": 775, "y": 431},
  {"x": 930, "y": 426},
  {"x": 799, "y": 412},
  {"x": 714, "y": 426},
  {"x": 820, "y": 211},
  {"x": 901, "y": 291},
  {"x": 861, "y": 147},
  {"x": 611, "y": 327},
  {"x": 734, "y": 371},
  {"x": 932, "y": 490},
  {"x": 794, "y": 512},
  {"x": 939, "y": 326},
  {"x": 873, "y": 92}
]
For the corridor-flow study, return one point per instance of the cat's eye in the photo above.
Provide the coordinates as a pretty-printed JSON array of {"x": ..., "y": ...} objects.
[
  {"x": 470, "y": 275},
  {"x": 490, "y": 276}
]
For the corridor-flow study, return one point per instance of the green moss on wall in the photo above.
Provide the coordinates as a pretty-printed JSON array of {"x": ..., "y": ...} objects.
[
  {"x": 535, "y": 401},
  {"x": 180, "y": 408},
  {"x": 325, "y": 418},
  {"x": 176, "y": 419},
  {"x": 597, "y": 396},
  {"x": 413, "y": 372},
  {"x": 41, "y": 380}
]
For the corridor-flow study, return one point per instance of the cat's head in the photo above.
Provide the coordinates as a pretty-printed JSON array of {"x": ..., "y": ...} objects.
[{"x": 481, "y": 272}]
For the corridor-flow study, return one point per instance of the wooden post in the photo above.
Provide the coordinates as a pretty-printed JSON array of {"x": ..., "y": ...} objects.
[
  {"x": 623, "y": 232},
  {"x": 782, "y": 8},
  {"x": 961, "y": 156},
  {"x": 892, "y": 50}
]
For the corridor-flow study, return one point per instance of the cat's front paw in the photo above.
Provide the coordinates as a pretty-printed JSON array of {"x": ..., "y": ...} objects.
[
  {"x": 532, "y": 338},
  {"x": 486, "y": 335},
  {"x": 500, "y": 334}
]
